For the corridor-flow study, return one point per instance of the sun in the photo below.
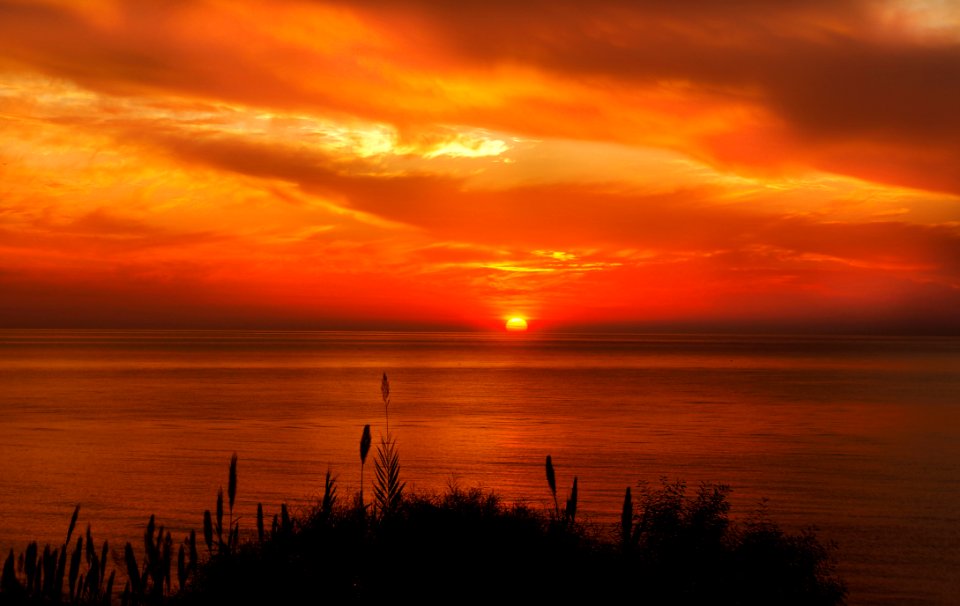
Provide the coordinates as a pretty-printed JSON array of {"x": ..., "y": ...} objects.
[{"x": 516, "y": 324}]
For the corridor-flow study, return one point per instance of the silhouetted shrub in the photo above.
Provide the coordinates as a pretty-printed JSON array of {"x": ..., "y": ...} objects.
[
  {"x": 686, "y": 549},
  {"x": 468, "y": 546},
  {"x": 460, "y": 546}
]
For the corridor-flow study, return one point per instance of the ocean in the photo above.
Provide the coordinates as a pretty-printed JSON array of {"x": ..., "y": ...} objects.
[{"x": 858, "y": 437}]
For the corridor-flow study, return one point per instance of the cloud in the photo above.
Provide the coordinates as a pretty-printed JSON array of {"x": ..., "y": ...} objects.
[
  {"x": 386, "y": 162},
  {"x": 753, "y": 86},
  {"x": 564, "y": 214}
]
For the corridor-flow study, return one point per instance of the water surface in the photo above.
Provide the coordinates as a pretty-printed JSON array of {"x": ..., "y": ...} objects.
[{"x": 857, "y": 436}]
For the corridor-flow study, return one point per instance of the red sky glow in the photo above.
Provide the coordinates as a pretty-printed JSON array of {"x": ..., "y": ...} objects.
[{"x": 641, "y": 164}]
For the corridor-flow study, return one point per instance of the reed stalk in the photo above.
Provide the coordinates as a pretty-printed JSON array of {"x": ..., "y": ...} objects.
[
  {"x": 286, "y": 525},
  {"x": 385, "y": 394},
  {"x": 8, "y": 582},
  {"x": 260, "y": 522},
  {"x": 364, "y": 451},
  {"x": 208, "y": 530},
  {"x": 626, "y": 519},
  {"x": 194, "y": 556},
  {"x": 182, "y": 567},
  {"x": 232, "y": 496},
  {"x": 75, "y": 568},
  {"x": 570, "y": 513},
  {"x": 552, "y": 483},
  {"x": 219, "y": 526}
]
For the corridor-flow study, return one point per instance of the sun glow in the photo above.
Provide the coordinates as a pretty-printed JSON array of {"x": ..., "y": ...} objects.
[{"x": 516, "y": 325}]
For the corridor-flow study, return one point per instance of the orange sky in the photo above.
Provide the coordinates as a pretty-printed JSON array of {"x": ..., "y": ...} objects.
[{"x": 643, "y": 164}]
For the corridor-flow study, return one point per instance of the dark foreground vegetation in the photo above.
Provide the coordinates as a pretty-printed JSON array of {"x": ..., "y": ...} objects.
[
  {"x": 670, "y": 547},
  {"x": 467, "y": 547}
]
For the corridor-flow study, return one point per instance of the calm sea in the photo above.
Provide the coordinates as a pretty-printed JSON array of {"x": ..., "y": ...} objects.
[{"x": 859, "y": 437}]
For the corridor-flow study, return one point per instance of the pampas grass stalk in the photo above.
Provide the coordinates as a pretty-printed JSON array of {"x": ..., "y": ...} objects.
[
  {"x": 167, "y": 560},
  {"x": 219, "y": 526},
  {"x": 194, "y": 557},
  {"x": 49, "y": 571},
  {"x": 133, "y": 571},
  {"x": 388, "y": 491},
  {"x": 571, "y": 511},
  {"x": 91, "y": 551},
  {"x": 385, "y": 394},
  {"x": 57, "y": 588},
  {"x": 232, "y": 482},
  {"x": 208, "y": 530},
  {"x": 30, "y": 564},
  {"x": 260, "y": 522},
  {"x": 552, "y": 483},
  {"x": 75, "y": 568},
  {"x": 285, "y": 524},
  {"x": 182, "y": 567},
  {"x": 364, "y": 451},
  {"x": 626, "y": 519},
  {"x": 103, "y": 563},
  {"x": 148, "y": 545},
  {"x": 108, "y": 592},
  {"x": 232, "y": 496},
  {"x": 73, "y": 523},
  {"x": 8, "y": 582}
]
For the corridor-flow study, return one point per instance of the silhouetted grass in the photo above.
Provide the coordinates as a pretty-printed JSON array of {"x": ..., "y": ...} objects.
[
  {"x": 670, "y": 547},
  {"x": 673, "y": 548},
  {"x": 469, "y": 546},
  {"x": 37, "y": 578}
]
